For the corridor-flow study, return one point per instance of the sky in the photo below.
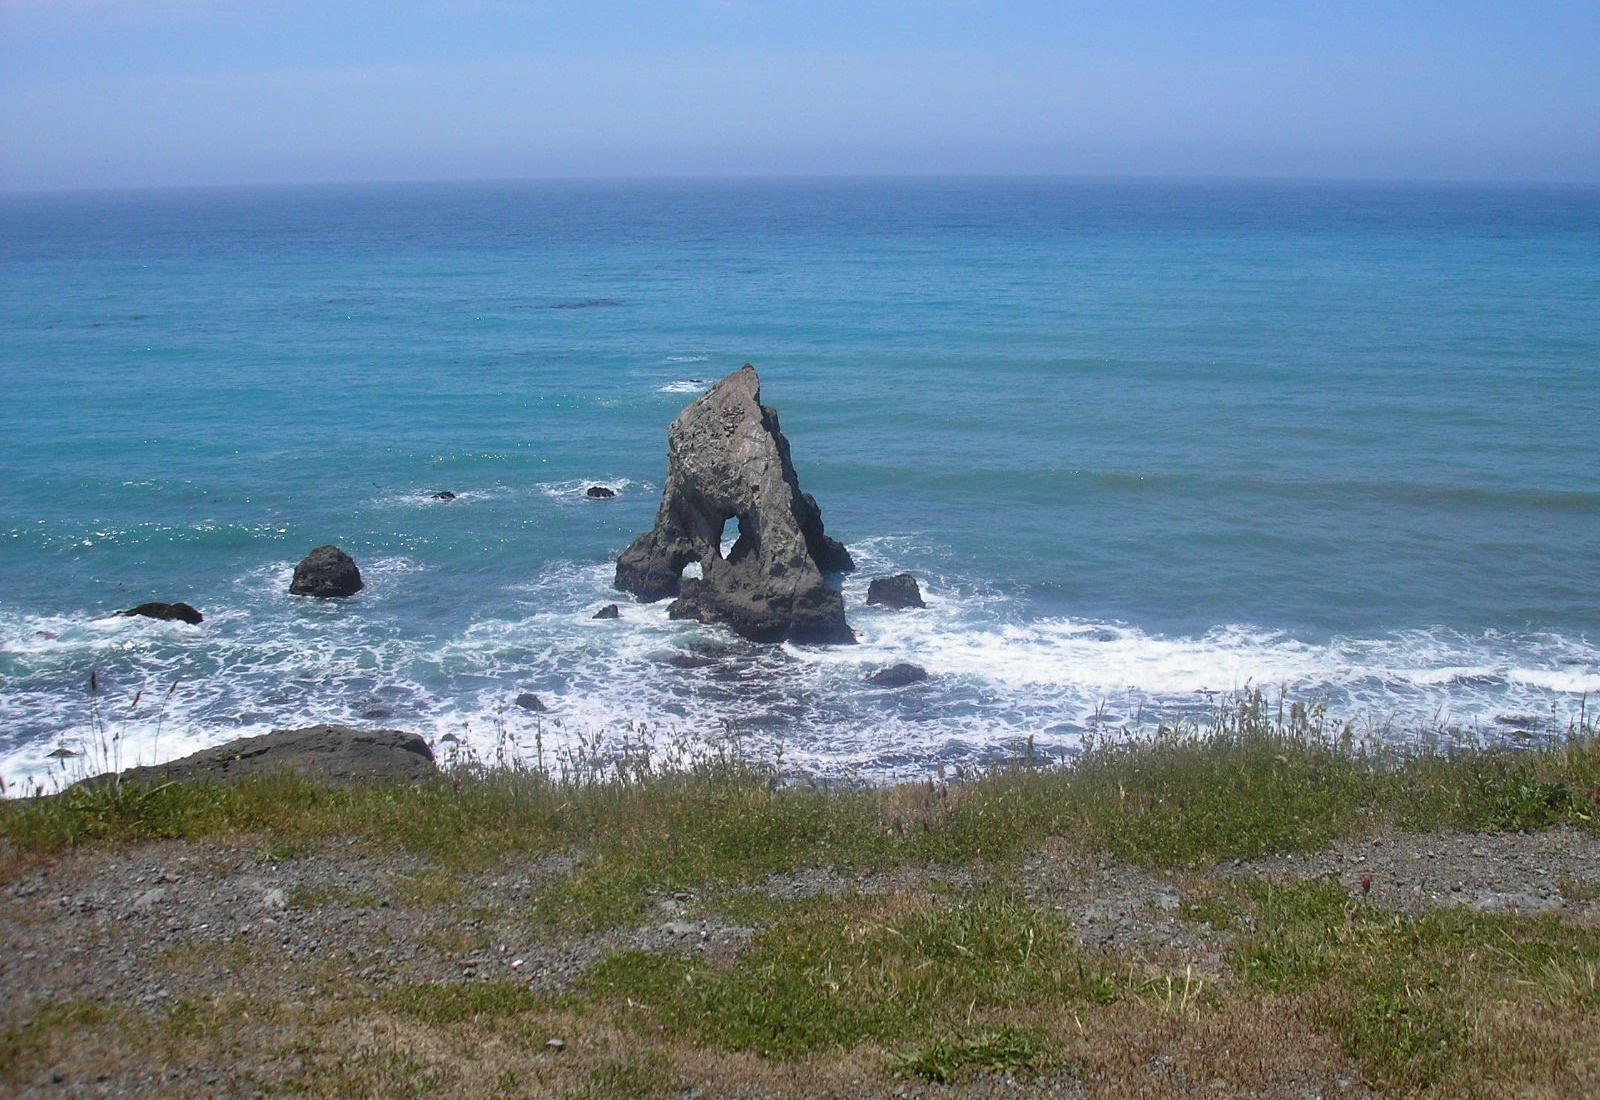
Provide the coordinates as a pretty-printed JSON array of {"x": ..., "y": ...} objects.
[{"x": 137, "y": 93}]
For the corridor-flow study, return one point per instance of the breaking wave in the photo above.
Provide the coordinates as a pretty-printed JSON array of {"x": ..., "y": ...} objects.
[{"x": 998, "y": 675}]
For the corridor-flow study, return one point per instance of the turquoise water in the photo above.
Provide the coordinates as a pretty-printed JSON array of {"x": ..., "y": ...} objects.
[{"x": 1143, "y": 442}]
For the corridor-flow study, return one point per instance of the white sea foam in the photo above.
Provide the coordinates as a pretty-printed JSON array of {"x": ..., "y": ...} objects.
[
  {"x": 687, "y": 358},
  {"x": 576, "y": 489},
  {"x": 997, "y": 675},
  {"x": 424, "y": 498},
  {"x": 686, "y": 385}
]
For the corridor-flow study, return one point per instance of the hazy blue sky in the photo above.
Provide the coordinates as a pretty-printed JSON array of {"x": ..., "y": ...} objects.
[{"x": 131, "y": 92}]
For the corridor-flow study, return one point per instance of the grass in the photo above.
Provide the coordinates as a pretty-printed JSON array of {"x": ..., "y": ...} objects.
[
  {"x": 1417, "y": 999},
  {"x": 1249, "y": 782},
  {"x": 937, "y": 978},
  {"x": 840, "y": 972},
  {"x": 1005, "y": 1050}
]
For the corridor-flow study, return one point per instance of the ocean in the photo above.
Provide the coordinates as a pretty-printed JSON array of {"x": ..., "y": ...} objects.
[{"x": 1145, "y": 444}]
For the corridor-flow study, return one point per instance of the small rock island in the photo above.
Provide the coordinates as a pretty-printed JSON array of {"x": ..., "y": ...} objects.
[{"x": 727, "y": 459}]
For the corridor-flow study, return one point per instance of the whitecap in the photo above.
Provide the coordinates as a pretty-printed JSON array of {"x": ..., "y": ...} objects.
[
  {"x": 576, "y": 489},
  {"x": 425, "y": 498}
]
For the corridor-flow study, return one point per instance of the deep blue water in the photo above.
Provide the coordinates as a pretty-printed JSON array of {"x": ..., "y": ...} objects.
[{"x": 1141, "y": 440}]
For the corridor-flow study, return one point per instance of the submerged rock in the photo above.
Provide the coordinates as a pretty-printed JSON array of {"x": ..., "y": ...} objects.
[
  {"x": 898, "y": 591},
  {"x": 335, "y": 754},
  {"x": 727, "y": 459},
  {"x": 529, "y": 701},
  {"x": 166, "y": 612},
  {"x": 326, "y": 572},
  {"x": 609, "y": 611},
  {"x": 690, "y": 660},
  {"x": 898, "y": 675},
  {"x": 444, "y": 494},
  {"x": 599, "y": 492}
]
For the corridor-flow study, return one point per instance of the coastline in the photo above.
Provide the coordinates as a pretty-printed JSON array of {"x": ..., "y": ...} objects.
[{"x": 1260, "y": 902}]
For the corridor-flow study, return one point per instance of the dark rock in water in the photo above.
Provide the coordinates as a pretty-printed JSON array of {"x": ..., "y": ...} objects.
[
  {"x": 690, "y": 660},
  {"x": 895, "y": 592},
  {"x": 529, "y": 701},
  {"x": 449, "y": 739},
  {"x": 167, "y": 612},
  {"x": 326, "y": 571},
  {"x": 599, "y": 492},
  {"x": 727, "y": 459},
  {"x": 335, "y": 754},
  {"x": 609, "y": 611},
  {"x": 444, "y": 494},
  {"x": 897, "y": 675},
  {"x": 63, "y": 753}
]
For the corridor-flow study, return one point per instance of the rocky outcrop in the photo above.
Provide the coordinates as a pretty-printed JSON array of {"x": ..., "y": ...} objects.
[
  {"x": 897, "y": 676},
  {"x": 898, "y": 591},
  {"x": 326, "y": 572},
  {"x": 444, "y": 495},
  {"x": 609, "y": 611},
  {"x": 333, "y": 754},
  {"x": 166, "y": 612},
  {"x": 529, "y": 701},
  {"x": 727, "y": 459},
  {"x": 599, "y": 492}
]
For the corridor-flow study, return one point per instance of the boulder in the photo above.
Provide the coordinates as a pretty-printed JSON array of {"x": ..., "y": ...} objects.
[
  {"x": 326, "y": 572},
  {"x": 335, "y": 754},
  {"x": 599, "y": 492},
  {"x": 529, "y": 701},
  {"x": 609, "y": 611},
  {"x": 897, "y": 675},
  {"x": 895, "y": 592},
  {"x": 727, "y": 459},
  {"x": 444, "y": 494},
  {"x": 166, "y": 612}
]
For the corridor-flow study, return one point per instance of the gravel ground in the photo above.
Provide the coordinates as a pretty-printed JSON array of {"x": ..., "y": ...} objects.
[{"x": 153, "y": 926}]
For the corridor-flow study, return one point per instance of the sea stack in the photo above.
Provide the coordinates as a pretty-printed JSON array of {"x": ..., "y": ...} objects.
[
  {"x": 896, "y": 592},
  {"x": 728, "y": 459},
  {"x": 326, "y": 572}
]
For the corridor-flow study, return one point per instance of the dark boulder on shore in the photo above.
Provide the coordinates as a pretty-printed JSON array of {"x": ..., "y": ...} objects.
[
  {"x": 898, "y": 675},
  {"x": 334, "y": 754},
  {"x": 326, "y": 572},
  {"x": 896, "y": 592},
  {"x": 609, "y": 611},
  {"x": 166, "y": 612},
  {"x": 728, "y": 459},
  {"x": 599, "y": 492},
  {"x": 529, "y": 701}
]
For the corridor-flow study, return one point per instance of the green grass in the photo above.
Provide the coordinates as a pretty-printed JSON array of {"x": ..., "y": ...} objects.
[
  {"x": 1012, "y": 1051},
  {"x": 951, "y": 978},
  {"x": 842, "y": 971},
  {"x": 1410, "y": 997},
  {"x": 1249, "y": 782}
]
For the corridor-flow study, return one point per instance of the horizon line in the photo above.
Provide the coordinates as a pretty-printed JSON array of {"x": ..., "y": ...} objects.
[{"x": 1484, "y": 183}]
